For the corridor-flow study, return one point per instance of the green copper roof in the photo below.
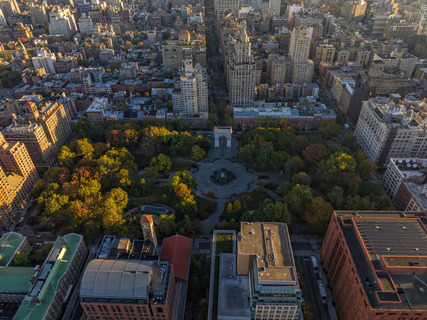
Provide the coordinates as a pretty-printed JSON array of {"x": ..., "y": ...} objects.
[
  {"x": 45, "y": 287},
  {"x": 16, "y": 279},
  {"x": 9, "y": 245}
]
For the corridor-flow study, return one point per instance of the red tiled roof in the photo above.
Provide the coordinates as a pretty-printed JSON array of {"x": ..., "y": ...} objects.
[{"x": 177, "y": 251}]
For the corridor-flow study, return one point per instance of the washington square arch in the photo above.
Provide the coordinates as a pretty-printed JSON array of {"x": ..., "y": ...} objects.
[{"x": 222, "y": 136}]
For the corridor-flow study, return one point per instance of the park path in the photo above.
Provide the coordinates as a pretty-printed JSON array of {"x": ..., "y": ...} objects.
[{"x": 209, "y": 223}]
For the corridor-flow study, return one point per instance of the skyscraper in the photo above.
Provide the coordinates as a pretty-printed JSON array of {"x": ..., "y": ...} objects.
[
  {"x": 193, "y": 97},
  {"x": 17, "y": 177},
  {"x": 299, "y": 49},
  {"x": 240, "y": 70}
]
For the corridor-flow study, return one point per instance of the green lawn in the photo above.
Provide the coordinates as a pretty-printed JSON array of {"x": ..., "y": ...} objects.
[{"x": 224, "y": 243}]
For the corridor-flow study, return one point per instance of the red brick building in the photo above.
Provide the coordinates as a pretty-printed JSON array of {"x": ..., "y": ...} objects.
[{"x": 376, "y": 265}]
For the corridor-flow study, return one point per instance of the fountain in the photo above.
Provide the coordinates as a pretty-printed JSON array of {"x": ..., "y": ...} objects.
[{"x": 222, "y": 176}]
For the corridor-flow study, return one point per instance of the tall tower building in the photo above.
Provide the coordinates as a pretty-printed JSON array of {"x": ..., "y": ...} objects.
[
  {"x": 38, "y": 14},
  {"x": 147, "y": 227},
  {"x": 52, "y": 117},
  {"x": 17, "y": 178},
  {"x": 299, "y": 49},
  {"x": 32, "y": 135},
  {"x": 240, "y": 70},
  {"x": 62, "y": 22},
  {"x": 193, "y": 97}
]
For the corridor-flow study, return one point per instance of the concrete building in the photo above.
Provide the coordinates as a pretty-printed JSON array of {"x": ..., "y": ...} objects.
[
  {"x": 240, "y": 70},
  {"x": 264, "y": 253},
  {"x": 192, "y": 97},
  {"x": 44, "y": 59},
  {"x": 147, "y": 227},
  {"x": 85, "y": 25},
  {"x": 17, "y": 178},
  {"x": 299, "y": 49},
  {"x": 9, "y": 7},
  {"x": 422, "y": 19},
  {"x": 172, "y": 55},
  {"x": 401, "y": 170},
  {"x": 95, "y": 112},
  {"x": 390, "y": 129},
  {"x": 223, "y": 6},
  {"x": 375, "y": 264},
  {"x": 62, "y": 22},
  {"x": 39, "y": 15},
  {"x": 279, "y": 69},
  {"x": 58, "y": 275},
  {"x": 8, "y": 107},
  {"x": 354, "y": 10},
  {"x": 33, "y": 136},
  {"x": 52, "y": 117}
]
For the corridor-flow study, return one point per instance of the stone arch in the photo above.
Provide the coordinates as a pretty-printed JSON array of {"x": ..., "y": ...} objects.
[{"x": 221, "y": 133}]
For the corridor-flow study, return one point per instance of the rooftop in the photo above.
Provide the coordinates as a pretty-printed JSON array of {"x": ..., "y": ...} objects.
[
  {"x": 389, "y": 250},
  {"x": 275, "y": 262},
  {"x": 233, "y": 290},
  {"x": 36, "y": 304},
  {"x": 16, "y": 279},
  {"x": 116, "y": 279},
  {"x": 177, "y": 251},
  {"x": 9, "y": 245}
]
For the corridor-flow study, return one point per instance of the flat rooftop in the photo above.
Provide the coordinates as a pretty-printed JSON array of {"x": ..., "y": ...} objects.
[
  {"x": 389, "y": 250},
  {"x": 233, "y": 290},
  {"x": 270, "y": 243}
]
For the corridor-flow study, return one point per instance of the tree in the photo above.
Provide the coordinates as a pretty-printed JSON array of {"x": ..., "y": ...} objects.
[
  {"x": 129, "y": 138},
  {"x": 162, "y": 163},
  {"x": 277, "y": 212},
  {"x": 237, "y": 206},
  {"x": 330, "y": 130},
  {"x": 229, "y": 207},
  {"x": 65, "y": 157},
  {"x": 21, "y": 260},
  {"x": 337, "y": 197},
  {"x": 167, "y": 224},
  {"x": 197, "y": 153},
  {"x": 182, "y": 191},
  {"x": 318, "y": 211},
  {"x": 297, "y": 198},
  {"x": 301, "y": 178},
  {"x": 278, "y": 159},
  {"x": 350, "y": 142},
  {"x": 313, "y": 153},
  {"x": 84, "y": 148}
]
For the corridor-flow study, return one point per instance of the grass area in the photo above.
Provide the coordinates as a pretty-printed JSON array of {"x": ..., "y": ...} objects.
[
  {"x": 224, "y": 243},
  {"x": 181, "y": 163},
  {"x": 215, "y": 291},
  {"x": 252, "y": 200},
  {"x": 205, "y": 207}
]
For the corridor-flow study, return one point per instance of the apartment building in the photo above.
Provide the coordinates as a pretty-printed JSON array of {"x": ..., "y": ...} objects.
[
  {"x": 192, "y": 97},
  {"x": 17, "y": 177},
  {"x": 389, "y": 128},
  {"x": 240, "y": 69},
  {"x": 32, "y": 135},
  {"x": 375, "y": 264},
  {"x": 299, "y": 49},
  {"x": 52, "y": 117}
]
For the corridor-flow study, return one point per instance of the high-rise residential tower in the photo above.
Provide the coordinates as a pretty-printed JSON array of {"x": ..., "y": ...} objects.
[{"x": 240, "y": 70}]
